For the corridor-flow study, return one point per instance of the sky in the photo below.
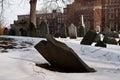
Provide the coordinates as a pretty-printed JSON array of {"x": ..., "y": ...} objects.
[{"x": 18, "y": 7}]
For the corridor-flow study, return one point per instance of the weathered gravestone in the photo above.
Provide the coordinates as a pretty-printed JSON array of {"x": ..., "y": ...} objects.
[
  {"x": 89, "y": 37},
  {"x": 72, "y": 31},
  {"x": 119, "y": 42},
  {"x": 43, "y": 29},
  {"x": 81, "y": 31},
  {"x": 62, "y": 31},
  {"x": 12, "y": 32},
  {"x": 5, "y": 32},
  {"x": 109, "y": 40},
  {"x": 61, "y": 56},
  {"x": 32, "y": 30},
  {"x": 23, "y": 32}
]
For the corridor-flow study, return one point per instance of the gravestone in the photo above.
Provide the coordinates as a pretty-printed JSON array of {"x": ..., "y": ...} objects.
[
  {"x": 23, "y": 32},
  {"x": 61, "y": 56},
  {"x": 110, "y": 40},
  {"x": 98, "y": 38},
  {"x": 72, "y": 31},
  {"x": 5, "y": 32},
  {"x": 32, "y": 30},
  {"x": 119, "y": 42},
  {"x": 89, "y": 37},
  {"x": 101, "y": 44},
  {"x": 81, "y": 31},
  {"x": 62, "y": 31},
  {"x": 12, "y": 32},
  {"x": 43, "y": 29}
]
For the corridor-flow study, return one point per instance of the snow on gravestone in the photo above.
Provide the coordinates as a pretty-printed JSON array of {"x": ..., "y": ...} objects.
[
  {"x": 61, "y": 56},
  {"x": 72, "y": 31}
]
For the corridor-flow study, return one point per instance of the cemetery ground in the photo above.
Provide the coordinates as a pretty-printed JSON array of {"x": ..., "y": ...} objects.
[{"x": 18, "y": 58}]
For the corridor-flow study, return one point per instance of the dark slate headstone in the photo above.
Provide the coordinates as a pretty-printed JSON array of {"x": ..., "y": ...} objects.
[
  {"x": 98, "y": 38},
  {"x": 43, "y": 29},
  {"x": 114, "y": 35},
  {"x": 23, "y": 32},
  {"x": 105, "y": 39},
  {"x": 62, "y": 31},
  {"x": 61, "y": 56},
  {"x": 101, "y": 44},
  {"x": 89, "y": 37},
  {"x": 57, "y": 35},
  {"x": 32, "y": 30},
  {"x": 12, "y": 32},
  {"x": 110, "y": 40},
  {"x": 5, "y": 32},
  {"x": 81, "y": 31}
]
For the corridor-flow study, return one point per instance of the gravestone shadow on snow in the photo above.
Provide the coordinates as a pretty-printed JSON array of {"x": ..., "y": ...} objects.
[{"x": 60, "y": 56}]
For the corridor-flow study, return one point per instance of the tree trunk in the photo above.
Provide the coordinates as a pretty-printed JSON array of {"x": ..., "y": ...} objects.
[{"x": 33, "y": 11}]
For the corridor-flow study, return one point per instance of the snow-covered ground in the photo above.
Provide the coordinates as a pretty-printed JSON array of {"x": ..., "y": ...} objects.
[{"x": 19, "y": 64}]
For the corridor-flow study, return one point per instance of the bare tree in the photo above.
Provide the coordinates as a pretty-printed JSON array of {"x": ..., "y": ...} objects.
[{"x": 33, "y": 4}]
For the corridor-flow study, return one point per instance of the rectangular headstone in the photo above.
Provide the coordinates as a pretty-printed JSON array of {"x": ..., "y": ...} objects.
[
  {"x": 72, "y": 31},
  {"x": 89, "y": 37}
]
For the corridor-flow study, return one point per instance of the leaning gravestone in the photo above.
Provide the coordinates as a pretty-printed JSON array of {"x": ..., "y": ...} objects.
[
  {"x": 61, "y": 56},
  {"x": 72, "y": 31},
  {"x": 89, "y": 37}
]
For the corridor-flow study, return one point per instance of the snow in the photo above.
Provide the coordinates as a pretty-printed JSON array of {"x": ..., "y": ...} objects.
[{"x": 19, "y": 64}]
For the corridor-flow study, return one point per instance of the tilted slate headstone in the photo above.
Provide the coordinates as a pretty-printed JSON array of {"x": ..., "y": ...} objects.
[
  {"x": 89, "y": 37},
  {"x": 72, "y": 31},
  {"x": 61, "y": 56}
]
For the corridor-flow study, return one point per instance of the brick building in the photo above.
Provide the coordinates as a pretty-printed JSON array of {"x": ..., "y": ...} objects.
[
  {"x": 103, "y": 13},
  {"x": 111, "y": 14}
]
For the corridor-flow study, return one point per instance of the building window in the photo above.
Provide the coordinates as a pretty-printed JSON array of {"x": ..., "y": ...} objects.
[
  {"x": 116, "y": 12},
  {"x": 116, "y": 26},
  {"x": 111, "y": 25},
  {"x": 110, "y": 2},
  {"x": 111, "y": 13}
]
